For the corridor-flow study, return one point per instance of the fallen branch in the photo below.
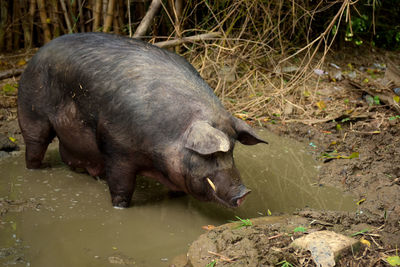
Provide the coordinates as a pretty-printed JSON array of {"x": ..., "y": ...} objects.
[
  {"x": 275, "y": 236},
  {"x": 145, "y": 23},
  {"x": 10, "y": 73},
  {"x": 200, "y": 37},
  {"x": 386, "y": 96}
]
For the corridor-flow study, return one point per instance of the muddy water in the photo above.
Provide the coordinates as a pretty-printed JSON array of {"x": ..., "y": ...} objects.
[{"x": 67, "y": 218}]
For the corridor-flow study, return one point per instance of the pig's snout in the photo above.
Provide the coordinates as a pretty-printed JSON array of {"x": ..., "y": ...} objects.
[
  {"x": 238, "y": 200},
  {"x": 232, "y": 196}
]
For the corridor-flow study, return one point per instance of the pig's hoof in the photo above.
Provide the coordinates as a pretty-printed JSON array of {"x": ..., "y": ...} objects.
[
  {"x": 120, "y": 202},
  {"x": 37, "y": 165}
]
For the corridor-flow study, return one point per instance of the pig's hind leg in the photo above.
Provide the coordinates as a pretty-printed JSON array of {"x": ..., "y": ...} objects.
[{"x": 37, "y": 134}]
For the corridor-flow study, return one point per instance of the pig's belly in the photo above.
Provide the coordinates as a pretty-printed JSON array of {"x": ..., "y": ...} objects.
[{"x": 78, "y": 145}]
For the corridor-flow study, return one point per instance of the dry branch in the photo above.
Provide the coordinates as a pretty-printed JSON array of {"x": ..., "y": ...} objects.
[
  {"x": 200, "y": 37},
  {"x": 145, "y": 23},
  {"x": 10, "y": 73}
]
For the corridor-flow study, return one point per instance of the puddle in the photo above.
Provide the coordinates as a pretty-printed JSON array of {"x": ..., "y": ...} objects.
[{"x": 70, "y": 222}]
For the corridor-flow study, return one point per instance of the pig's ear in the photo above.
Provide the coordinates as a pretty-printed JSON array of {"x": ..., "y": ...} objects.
[
  {"x": 245, "y": 134},
  {"x": 205, "y": 139}
]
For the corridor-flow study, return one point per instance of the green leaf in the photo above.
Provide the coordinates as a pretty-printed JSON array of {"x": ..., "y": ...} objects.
[
  {"x": 334, "y": 29},
  {"x": 354, "y": 155},
  {"x": 393, "y": 260},
  {"x": 242, "y": 222},
  {"x": 284, "y": 263},
  {"x": 300, "y": 229},
  {"x": 376, "y": 100},
  {"x": 360, "y": 232},
  {"x": 212, "y": 264}
]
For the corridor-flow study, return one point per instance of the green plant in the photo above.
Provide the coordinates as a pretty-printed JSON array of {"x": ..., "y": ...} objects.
[
  {"x": 285, "y": 263},
  {"x": 243, "y": 222},
  {"x": 211, "y": 264}
]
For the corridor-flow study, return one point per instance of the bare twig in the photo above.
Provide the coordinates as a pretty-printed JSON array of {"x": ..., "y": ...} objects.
[
  {"x": 145, "y": 23},
  {"x": 221, "y": 257},
  {"x": 11, "y": 73}
]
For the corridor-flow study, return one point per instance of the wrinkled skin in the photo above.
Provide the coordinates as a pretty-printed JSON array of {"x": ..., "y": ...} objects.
[{"x": 122, "y": 107}]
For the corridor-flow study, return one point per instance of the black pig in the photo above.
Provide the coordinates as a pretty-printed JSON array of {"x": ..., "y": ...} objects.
[{"x": 122, "y": 107}]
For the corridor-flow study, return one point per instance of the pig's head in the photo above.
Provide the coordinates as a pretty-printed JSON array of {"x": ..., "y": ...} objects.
[{"x": 208, "y": 165}]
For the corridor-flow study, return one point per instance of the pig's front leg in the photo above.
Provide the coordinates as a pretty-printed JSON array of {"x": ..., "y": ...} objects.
[{"x": 121, "y": 179}]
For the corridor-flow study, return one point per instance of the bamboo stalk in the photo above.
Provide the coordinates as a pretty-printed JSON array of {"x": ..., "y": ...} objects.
[
  {"x": 81, "y": 15},
  {"x": 109, "y": 17},
  {"x": 43, "y": 19},
  {"x": 3, "y": 23},
  {"x": 129, "y": 18},
  {"x": 55, "y": 19},
  {"x": 23, "y": 13},
  {"x": 97, "y": 15},
  {"x": 66, "y": 16}
]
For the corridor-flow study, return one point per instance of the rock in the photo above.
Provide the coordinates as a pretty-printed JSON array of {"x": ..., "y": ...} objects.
[
  {"x": 338, "y": 76},
  {"x": 6, "y": 144},
  {"x": 325, "y": 246}
]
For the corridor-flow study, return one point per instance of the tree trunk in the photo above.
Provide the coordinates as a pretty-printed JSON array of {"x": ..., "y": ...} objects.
[
  {"x": 97, "y": 15},
  {"x": 43, "y": 19},
  {"x": 110, "y": 16}
]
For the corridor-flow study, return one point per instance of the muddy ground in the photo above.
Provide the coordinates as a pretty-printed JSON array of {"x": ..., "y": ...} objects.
[{"x": 372, "y": 174}]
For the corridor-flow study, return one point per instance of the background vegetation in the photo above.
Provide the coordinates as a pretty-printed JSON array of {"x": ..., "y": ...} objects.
[{"x": 260, "y": 53}]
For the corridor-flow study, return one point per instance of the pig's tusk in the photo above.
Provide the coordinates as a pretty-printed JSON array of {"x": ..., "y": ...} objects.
[{"x": 211, "y": 184}]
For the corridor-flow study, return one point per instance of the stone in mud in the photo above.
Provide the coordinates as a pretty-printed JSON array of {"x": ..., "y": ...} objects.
[
  {"x": 6, "y": 145},
  {"x": 325, "y": 246}
]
